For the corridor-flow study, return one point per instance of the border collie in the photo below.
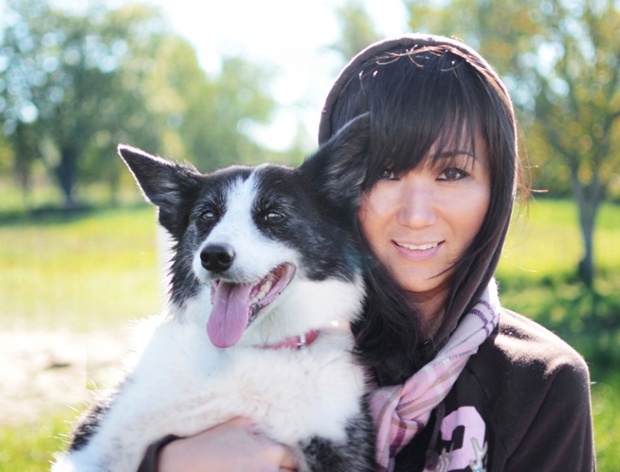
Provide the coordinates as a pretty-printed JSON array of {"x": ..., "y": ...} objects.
[{"x": 265, "y": 282}]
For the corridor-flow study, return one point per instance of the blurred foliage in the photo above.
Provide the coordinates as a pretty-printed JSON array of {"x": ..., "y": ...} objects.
[
  {"x": 561, "y": 61},
  {"x": 357, "y": 29},
  {"x": 76, "y": 83}
]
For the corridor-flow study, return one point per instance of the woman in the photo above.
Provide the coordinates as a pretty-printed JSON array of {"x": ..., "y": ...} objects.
[{"x": 462, "y": 384}]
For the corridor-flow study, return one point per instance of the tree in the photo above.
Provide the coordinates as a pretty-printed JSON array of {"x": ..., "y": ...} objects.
[
  {"x": 62, "y": 83},
  {"x": 357, "y": 29},
  {"x": 78, "y": 83},
  {"x": 204, "y": 118},
  {"x": 561, "y": 60}
]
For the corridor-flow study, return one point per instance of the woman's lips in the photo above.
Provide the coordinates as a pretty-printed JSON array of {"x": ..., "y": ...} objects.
[{"x": 418, "y": 251}]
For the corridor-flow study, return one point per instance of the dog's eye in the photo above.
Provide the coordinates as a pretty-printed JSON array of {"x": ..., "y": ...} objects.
[
  {"x": 274, "y": 216},
  {"x": 208, "y": 215}
]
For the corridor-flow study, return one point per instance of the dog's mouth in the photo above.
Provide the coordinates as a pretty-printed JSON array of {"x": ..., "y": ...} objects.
[{"x": 235, "y": 305}]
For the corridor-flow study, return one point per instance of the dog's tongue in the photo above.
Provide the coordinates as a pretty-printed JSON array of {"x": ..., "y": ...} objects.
[{"x": 230, "y": 313}]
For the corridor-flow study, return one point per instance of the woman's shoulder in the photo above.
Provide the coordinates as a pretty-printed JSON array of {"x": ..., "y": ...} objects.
[
  {"x": 523, "y": 342},
  {"x": 526, "y": 381},
  {"x": 523, "y": 355}
]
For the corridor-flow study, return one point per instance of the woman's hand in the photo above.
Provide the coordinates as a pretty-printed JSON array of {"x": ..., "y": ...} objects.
[{"x": 229, "y": 447}]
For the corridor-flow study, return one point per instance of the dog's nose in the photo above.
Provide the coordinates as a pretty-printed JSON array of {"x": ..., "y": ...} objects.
[{"x": 217, "y": 257}]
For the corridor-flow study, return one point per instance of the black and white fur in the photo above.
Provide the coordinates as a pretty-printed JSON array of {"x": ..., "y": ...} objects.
[{"x": 237, "y": 226}]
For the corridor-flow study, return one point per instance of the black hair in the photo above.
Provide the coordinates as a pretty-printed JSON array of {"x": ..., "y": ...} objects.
[{"x": 425, "y": 96}]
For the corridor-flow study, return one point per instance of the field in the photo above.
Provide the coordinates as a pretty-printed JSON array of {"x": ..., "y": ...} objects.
[{"x": 72, "y": 283}]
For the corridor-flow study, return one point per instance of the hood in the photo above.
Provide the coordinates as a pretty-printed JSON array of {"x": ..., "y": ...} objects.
[{"x": 472, "y": 282}]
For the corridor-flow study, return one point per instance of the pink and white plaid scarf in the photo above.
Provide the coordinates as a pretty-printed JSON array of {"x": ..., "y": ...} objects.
[{"x": 401, "y": 411}]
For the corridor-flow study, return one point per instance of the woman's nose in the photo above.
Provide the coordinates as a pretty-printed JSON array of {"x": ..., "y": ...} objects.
[{"x": 418, "y": 206}]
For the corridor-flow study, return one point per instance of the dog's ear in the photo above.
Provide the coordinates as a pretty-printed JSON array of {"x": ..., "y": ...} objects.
[
  {"x": 338, "y": 168},
  {"x": 171, "y": 187}
]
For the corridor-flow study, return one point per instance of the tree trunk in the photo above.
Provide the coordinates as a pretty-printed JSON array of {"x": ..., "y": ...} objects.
[
  {"x": 66, "y": 174},
  {"x": 114, "y": 184},
  {"x": 25, "y": 153},
  {"x": 586, "y": 264},
  {"x": 589, "y": 197}
]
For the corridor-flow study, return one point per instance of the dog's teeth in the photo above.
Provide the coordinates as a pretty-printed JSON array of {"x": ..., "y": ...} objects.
[{"x": 262, "y": 291}]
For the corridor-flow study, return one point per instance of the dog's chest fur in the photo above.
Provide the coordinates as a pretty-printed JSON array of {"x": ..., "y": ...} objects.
[
  {"x": 283, "y": 391},
  {"x": 181, "y": 386}
]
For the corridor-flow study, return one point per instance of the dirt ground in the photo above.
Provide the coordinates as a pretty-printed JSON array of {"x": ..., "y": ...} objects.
[{"x": 44, "y": 372}]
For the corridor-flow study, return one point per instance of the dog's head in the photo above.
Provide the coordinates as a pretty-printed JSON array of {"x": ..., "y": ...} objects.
[{"x": 263, "y": 240}]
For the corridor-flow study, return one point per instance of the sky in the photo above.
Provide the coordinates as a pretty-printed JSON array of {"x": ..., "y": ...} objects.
[{"x": 289, "y": 36}]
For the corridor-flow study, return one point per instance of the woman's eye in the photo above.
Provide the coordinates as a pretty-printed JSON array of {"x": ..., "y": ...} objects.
[
  {"x": 452, "y": 174},
  {"x": 387, "y": 174}
]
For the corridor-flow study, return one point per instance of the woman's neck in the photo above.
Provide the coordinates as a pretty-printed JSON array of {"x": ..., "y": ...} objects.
[{"x": 431, "y": 310}]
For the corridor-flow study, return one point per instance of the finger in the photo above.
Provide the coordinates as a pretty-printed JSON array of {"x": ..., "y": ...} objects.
[{"x": 287, "y": 461}]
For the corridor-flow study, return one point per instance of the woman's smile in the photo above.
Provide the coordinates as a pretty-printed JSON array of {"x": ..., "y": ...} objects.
[{"x": 418, "y": 252}]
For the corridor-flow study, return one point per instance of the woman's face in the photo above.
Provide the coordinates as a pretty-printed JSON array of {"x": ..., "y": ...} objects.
[{"x": 421, "y": 222}]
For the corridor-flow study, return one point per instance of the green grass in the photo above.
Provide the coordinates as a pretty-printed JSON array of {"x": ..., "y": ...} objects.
[
  {"x": 99, "y": 269},
  {"x": 545, "y": 241},
  {"x": 31, "y": 447},
  {"x": 606, "y": 412},
  {"x": 80, "y": 271}
]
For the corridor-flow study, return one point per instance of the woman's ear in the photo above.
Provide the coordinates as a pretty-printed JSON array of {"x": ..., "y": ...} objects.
[{"x": 338, "y": 168}]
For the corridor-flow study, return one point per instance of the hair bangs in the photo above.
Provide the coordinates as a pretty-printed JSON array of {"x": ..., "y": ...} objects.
[{"x": 435, "y": 117}]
